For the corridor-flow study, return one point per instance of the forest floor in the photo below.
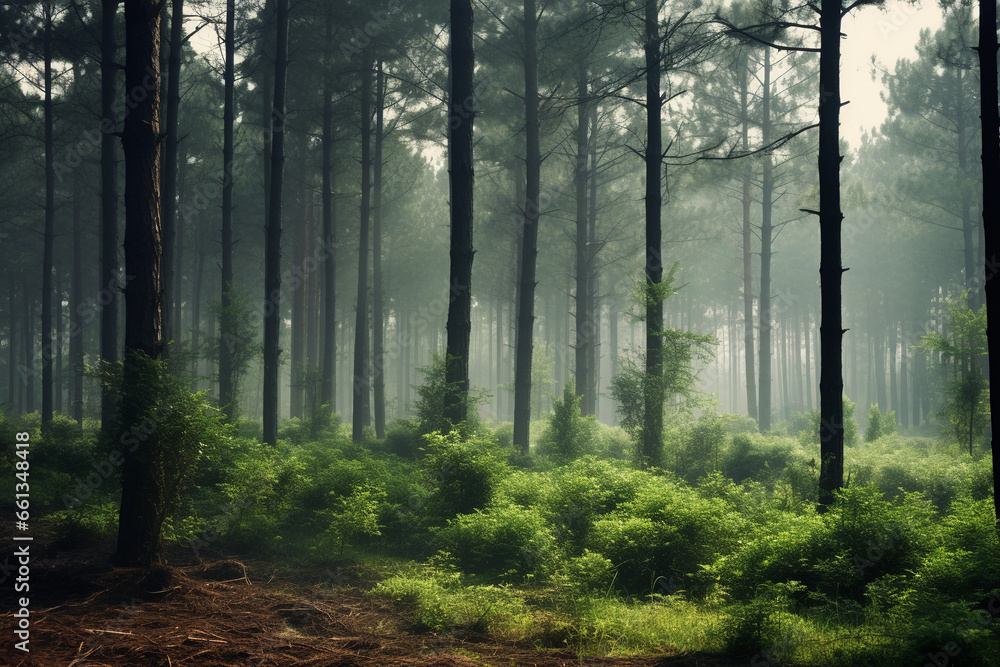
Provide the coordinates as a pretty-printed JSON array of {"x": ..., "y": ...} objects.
[{"x": 222, "y": 611}]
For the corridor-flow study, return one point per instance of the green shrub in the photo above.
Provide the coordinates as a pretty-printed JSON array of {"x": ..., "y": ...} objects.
[
  {"x": 568, "y": 435},
  {"x": 463, "y": 473},
  {"x": 879, "y": 423},
  {"x": 502, "y": 542}
]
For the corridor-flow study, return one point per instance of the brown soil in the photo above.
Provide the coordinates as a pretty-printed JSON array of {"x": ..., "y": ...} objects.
[{"x": 85, "y": 613}]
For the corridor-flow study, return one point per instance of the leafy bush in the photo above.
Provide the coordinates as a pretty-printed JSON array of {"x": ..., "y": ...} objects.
[
  {"x": 568, "y": 435},
  {"x": 753, "y": 456},
  {"x": 879, "y": 423},
  {"x": 667, "y": 532},
  {"x": 440, "y": 602},
  {"x": 501, "y": 542},
  {"x": 463, "y": 473}
]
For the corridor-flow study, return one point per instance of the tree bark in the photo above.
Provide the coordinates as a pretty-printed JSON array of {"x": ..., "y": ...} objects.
[
  {"x": 831, "y": 383},
  {"x": 766, "y": 233},
  {"x": 524, "y": 342},
  {"x": 108, "y": 288},
  {"x": 141, "y": 515},
  {"x": 461, "y": 180},
  {"x": 170, "y": 141},
  {"x": 653, "y": 394},
  {"x": 584, "y": 326},
  {"x": 272, "y": 252},
  {"x": 227, "y": 338},
  {"x": 747, "y": 200},
  {"x": 328, "y": 393},
  {"x": 76, "y": 305},
  {"x": 378, "y": 327},
  {"x": 27, "y": 356},
  {"x": 50, "y": 216},
  {"x": 362, "y": 360},
  {"x": 991, "y": 210}
]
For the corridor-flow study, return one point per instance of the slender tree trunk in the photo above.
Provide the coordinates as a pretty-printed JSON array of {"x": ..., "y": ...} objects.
[
  {"x": 807, "y": 337},
  {"x": 584, "y": 326},
  {"x": 142, "y": 511},
  {"x": 76, "y": 305},
  {"x": 378, "y": 326},
  {"x": 747, "y": 200},
  {"x": 329, "y": 386},
  {"x": 500, "y": 358},
  {"x": 12, "y": 384},
  {"x": 962, "y": 178},
  {"x": 227, "y": 337},
  {"x": 297, "y": 370},
  {"x": 57, "y": 367},
  {"x": 831, "y": 381},
  {"x": 903, "y": 412},
  {"x": 652, "y": 432},
  {"x": 50, "y": 216},
  {"x": 170, "y": 143},
  {"x": 27, "y": 348},
  {"x": 766, "y": 233},
  {"x": 272, "y": 252},
  {"x": 178, "y": 261},
  {"x": 362, "y": 360},
  {"x": 524, "y": 341},
  {"x": 108, "y": 289},
  {"x": 196, "y": 316},
  {"x": 593, "y": 295}
]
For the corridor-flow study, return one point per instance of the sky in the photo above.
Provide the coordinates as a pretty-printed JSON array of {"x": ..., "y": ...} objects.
[{"x": 889, "y": 35}]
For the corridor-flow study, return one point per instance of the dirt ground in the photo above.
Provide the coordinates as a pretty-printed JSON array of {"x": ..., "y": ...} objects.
[{"x": 85, "y": 613}]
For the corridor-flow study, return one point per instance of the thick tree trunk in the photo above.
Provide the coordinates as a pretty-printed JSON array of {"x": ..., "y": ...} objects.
[
  {"x": 831, "y": 383},
  {"x": 362, "y": 359},
  {"x": 272, "y": 252},
  {"x": 328, "y": 393},
  {"x": 584, "y": 326},
  {"x": 76, "y": 305},
  {"x": 766, "y": 233},
  {"x": 462, "y": 178},
  {"x": 524, "y": 342},
  {"x": 378, "y": 327},
  {"x": 227, "y": 338},
  {"x": 142, "y": 512},
  {"x": 991, "y": 210},
  {"x": 50, "y": 217},
  {"x": 652, "y": 431},
  {"x": 170, "y": 142},
  {"x": 108, "y": 289}
]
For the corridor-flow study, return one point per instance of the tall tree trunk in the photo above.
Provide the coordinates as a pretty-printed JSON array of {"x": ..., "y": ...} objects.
[
  {"x": 594, "y": 297},
  {"x": 50, "y": 217},
  {"x": 272, "y": 251},
  {"x": 831, "y": 382},
  {"x": 378, "y": 325},
  {"x": 991, "y": 210},
  {"x": 328, "y": 393},
  {"x": 297, "y": 369},
  {"x": 196, "y": 315},
  {"x": 170, "y": 141},
  {"x": 461, "y": 180},
  {"x": 28, "y": 348},
  {"x": 12, "y": 385},
  {"x": 227, "y": 337},
  {"x": 108, "y": 289},
  {"x": 142, "y": 511},
  {"x": 76, "y": 305},
  {"x": 766, "y": 235},
  {"x": 57, "y": 367},
  {"x": 972, "y": 281},
  {"x": 362, "y": 360},
  {"x": 747, "y": 200},
  {"x": 652, "y": 431},
  {"x": 179, "y": 220},
  {"x": 524, "y": 341},
  {"x": 807, "y": 336},
  {"x": 903, "y": 412},
  {"x": 584, "y": 327}
]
